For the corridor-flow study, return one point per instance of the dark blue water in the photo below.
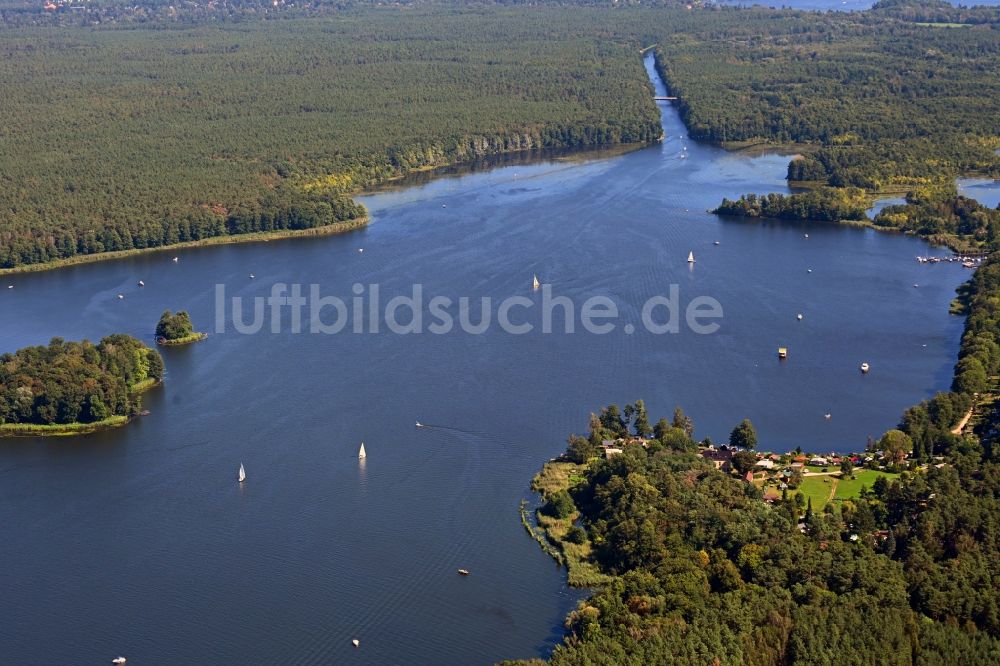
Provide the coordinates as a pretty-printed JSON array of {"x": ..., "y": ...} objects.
[{"x": 140, "y": 542}]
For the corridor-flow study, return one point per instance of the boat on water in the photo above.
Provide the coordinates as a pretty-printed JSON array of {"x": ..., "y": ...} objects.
[
  {"x": 716, "y": 243},
  {"x": 782, "y": 352},
  {"x": 361, "y": 452},
  {"x": 807, "y": 235},
  {"x": 690, "y": 257},
  {"x": 119, "y": 660},
  {"x": 535, "y": 284},
  {"x": 141, "y": 283},
  {"x": 121, "y": 296},
  {"x": 828, "y": 416},
  {"x": 419, "y": 424},
  {"x": 176, "y": 259},
  {"x": 252, "y": 276},
  {"x": 463, "y": 572},
  {"x": 865, "y": 367},
  {"x": 799, "y": 317},
  {"x": 242, "y": 475},
  {"x": 355, "y": 642}
]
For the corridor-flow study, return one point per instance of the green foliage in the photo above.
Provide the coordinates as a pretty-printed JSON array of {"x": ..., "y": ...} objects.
[
  {"x": 560, "y": 505},
  {"x": 174, "y": 326},
  {"x": 895, "y": 446},
  {"x": 75, "y": 382},
  {"x": 822, "y": 205},
  {"x": 580, "y": 449},
  {"x": 703, "y": 571},
  {"x": 227, "y": 128},
  {"x": 963, "y": 223},
  {"x": 744, "y": 435},
  {"x": 887, "y": 102},
  {"x": 744, "y": 461}
]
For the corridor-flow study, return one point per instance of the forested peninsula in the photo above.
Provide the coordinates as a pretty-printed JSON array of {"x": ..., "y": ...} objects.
[
  {"x": 695, "y": 560},
  {"x": 900, "y": 99},
  {"x": 73, "y": 388}
]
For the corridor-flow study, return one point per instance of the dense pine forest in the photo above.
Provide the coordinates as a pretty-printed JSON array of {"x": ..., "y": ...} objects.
[
  {"x": 117, "y": 139},
  {"x": 880, "y": 99},
  {"x": 165, "y": 128},
  {"x": 75, "y": 382}
]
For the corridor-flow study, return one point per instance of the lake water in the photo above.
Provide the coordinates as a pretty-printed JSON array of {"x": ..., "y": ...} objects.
[{"x": 140, "y": 542}]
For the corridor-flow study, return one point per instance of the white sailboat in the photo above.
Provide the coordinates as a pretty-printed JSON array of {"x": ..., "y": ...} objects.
[
  {"x": 535, "y": 284},
  {"x": 419, "y": 424},
  {"x": 690, "y": 257},
  {"x": 361, "y": 453},
  {"x": 243, "y": 474}
]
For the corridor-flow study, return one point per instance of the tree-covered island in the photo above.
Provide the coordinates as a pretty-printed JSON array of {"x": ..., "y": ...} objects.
[
  {"x": 72, "y": 388},
  {"x": 176, "y": 329}
]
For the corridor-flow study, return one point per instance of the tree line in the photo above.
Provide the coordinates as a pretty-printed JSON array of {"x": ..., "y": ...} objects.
[
  {"x": 75, "y": 382},
  {"x": 214, "y": 129}
]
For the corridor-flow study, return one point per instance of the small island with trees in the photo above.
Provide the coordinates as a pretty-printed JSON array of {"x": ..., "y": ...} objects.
[
  {"x": 75, "y": 388},
  {"x": 176, "y": 329}
]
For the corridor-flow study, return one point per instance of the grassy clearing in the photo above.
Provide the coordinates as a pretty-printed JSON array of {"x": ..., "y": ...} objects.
[
  {"x": 816, "y": 488},
  {"x": 851, "y": 488}
]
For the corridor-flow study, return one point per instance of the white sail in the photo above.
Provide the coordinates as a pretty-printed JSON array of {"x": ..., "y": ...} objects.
[
  {"x": 690, "y": 257},
  {"x": 535, "y": 284},
  {"x": 243, "y": 474},
  {"x": 361, "y": 452}
]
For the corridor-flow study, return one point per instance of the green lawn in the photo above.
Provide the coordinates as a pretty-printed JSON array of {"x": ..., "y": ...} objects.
[
  {"x": 816, "y": 488},
  {"x": 850, "y": 488}
]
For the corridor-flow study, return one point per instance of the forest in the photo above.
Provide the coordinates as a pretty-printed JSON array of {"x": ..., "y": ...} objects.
[
  {"x": 150, "y": 135},
  {"x": 875, "y": 99},
  {"x": 693, "y": 566},
  {"x": 832, "y": 205},
  {"x": 175, "y": 127},
  {"x": 76, "y": 382}
]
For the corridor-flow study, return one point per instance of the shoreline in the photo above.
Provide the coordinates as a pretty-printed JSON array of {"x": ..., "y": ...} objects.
[
  {"x": 186, "y": 340},
  {"x": 62, "y": 429},
  {"x": 13, "y": 430},
  {"x": 254, "y": 237}
]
